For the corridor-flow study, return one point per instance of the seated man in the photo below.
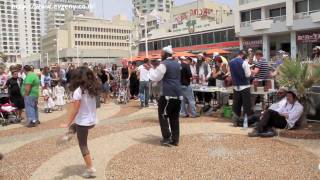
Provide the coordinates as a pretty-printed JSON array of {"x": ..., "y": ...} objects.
[{"x": 283, "y": 114}]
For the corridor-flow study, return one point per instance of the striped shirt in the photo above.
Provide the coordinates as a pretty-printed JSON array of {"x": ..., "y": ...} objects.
[{"x": 264, "y": 69}]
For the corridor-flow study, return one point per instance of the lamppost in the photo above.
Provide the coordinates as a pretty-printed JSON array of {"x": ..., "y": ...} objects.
[
  {"x": 47, "y": 59},
  {"x": 78, "y": 60},
  {"x": 57, "y": 45},
  {"x": 130, "y": 45}
]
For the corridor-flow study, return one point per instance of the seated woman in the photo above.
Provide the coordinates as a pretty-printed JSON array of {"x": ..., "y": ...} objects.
[{"x": 284, "y": 114}]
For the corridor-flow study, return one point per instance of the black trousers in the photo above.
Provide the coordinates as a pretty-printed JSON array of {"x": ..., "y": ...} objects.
[
  {"x": 271, "y": 118},
  {"x": 134, "y": 88},
  {"x": 168, "y": 112},
  {"x": 242, "y": 99}
]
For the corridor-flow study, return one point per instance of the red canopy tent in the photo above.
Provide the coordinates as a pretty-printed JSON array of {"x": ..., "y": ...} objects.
[
  {"x": 185, "y": 54},
  {"x": 220, "y": 51}
]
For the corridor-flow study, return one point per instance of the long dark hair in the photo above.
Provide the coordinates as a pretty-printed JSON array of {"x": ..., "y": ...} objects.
[{"x": 84, "y": 78}]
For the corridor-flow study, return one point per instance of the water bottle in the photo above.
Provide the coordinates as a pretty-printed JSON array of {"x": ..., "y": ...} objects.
[{"x": 245, "y": 122}]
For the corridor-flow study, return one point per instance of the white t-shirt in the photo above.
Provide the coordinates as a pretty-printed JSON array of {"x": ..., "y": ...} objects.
[
  {"x": 144, "y": 73},
  {"x": 87, "y": 112}
]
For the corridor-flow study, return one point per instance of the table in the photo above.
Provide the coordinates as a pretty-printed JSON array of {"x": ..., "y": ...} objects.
[{"x": 212, "y": 89}]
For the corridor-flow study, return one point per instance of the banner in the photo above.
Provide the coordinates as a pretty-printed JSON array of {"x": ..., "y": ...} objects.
[{"x": 308, "y": 37}]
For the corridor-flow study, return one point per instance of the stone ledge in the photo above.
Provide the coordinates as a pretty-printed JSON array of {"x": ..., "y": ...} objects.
[{"x": 310, "y": 132}]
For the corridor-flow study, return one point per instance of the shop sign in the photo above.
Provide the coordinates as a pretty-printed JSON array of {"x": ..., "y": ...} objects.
[
  {"x": 254, "y": 43},
  {"x": 197, "y": 13},
  {"x": 308, "y": 37}
]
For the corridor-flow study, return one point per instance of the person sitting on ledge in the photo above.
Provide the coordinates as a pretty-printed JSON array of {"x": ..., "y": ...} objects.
[{"x": 283, "y": 114}]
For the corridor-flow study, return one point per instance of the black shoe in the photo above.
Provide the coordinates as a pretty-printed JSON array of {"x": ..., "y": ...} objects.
[
  {"x": 254, "y": 133},
  {"x": 31, "y": 125},
  {"x": 184, "y": 115},
  {"x": 141, "y": 105},
  {"x": 166, "y": 142},
  {"x": 174, "y": 143},
  {"x": 196, "y": 116},
  {"x": 269, "y": 133},
  {"x": 237, "y": 124},
  {"x": 38, "y": 122},
  {"x": 147, "y": 105}
]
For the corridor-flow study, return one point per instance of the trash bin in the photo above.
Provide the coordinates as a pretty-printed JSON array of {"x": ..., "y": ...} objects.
[{"x": 227, "y": 111}]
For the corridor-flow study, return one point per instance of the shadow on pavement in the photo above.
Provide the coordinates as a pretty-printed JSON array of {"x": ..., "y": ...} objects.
[
  {"x": 73, "y": 170},
  {"x": 149, "y": 139}
]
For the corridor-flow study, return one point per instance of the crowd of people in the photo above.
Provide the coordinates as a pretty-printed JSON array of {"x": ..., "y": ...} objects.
[{"x": 167, "y": 83}]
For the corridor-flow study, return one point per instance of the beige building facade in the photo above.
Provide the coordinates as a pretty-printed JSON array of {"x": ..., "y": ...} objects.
[{"x": 89, "y": 39}]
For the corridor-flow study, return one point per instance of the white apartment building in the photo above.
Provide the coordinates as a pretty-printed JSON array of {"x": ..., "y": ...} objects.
[
  {"x": 88, "y": 39},
  {"x": 289, "y": 25},
  {"x": 20, "y": 25},
  {"x": 155, "y": 11},
  {"x": 146, "y": 6},
  {"x": 55, "y": 11}
]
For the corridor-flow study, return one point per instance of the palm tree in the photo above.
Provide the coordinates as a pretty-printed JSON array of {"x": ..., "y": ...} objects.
[{"x": 300, "y": 76}]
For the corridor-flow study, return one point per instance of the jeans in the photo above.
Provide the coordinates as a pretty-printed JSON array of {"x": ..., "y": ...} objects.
[
  {"x": 144, "y": 92},
  {"x": 31, "y": 105},
  {"x": 168, "y": 113},
  {"x": 188, "y": 96}
]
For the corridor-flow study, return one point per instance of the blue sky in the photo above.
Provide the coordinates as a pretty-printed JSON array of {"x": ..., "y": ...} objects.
[{"x": 114, "y": 7}]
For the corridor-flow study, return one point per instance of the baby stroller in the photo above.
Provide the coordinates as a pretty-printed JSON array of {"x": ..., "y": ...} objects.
[
  {"x": 123, "y": 95},
  {"x": 8, "y": 111}
]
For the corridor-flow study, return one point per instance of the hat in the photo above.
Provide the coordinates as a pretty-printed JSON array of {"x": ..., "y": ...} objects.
[
  {"x": 183, "y": 58},
  {"x": 195, "y": 60},
  {"x": 201, "y": 55},
  {"x": 293, "y": 92},
  {"x": 215, "y": 54},
  {"x": 168, "y": 49}
]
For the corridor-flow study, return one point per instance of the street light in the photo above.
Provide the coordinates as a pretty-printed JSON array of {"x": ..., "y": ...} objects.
[
  {"x": 58, "y": 57},
  {"x": 47, "y": 59},
  {"x": 130, "y": 45}
]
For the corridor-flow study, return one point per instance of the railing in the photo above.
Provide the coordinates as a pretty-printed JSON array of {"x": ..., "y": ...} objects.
[
  {"x": 275, "y": 19},
  {"x": 304, "y": 15},
  {"x": 247, "y": 1}
]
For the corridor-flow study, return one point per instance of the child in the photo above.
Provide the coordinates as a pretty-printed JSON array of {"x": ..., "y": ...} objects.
[
  {"x": 58, "y": 92},
  {"x": 48, "y": 101},
  {"x": 85, "y": 88}
]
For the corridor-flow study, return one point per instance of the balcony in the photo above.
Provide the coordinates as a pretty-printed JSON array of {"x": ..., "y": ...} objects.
[{"x": 268, "y": 25}]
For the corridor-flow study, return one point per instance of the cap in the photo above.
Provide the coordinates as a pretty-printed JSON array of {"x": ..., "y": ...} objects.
[
  {"x": 183, "y": 58},
  {"x": 168, "y": 49}
]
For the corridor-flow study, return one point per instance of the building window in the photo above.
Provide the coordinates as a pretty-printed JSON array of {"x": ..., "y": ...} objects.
[
  {"x": 245, "y": 16},
  {"x": 302, "y": 6},
  {"x": 314, "y": 5},
  {"x": 255, "y": 14}
]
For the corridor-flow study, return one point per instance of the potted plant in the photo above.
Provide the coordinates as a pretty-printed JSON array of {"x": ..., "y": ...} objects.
[{"x": 298, "y": 75}]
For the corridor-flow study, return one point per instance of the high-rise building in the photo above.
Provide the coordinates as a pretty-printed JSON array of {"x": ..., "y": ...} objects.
[
  {"x": 146, "y": 6},
  {"x": 20, "y": 28},
  {"x": 55, "y": 15}
]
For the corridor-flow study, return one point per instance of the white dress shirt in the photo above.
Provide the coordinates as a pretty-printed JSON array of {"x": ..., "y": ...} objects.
[
  {"x": 144, "y": 73},
  {"x": 157, "y": 73},
  {"x": 193, "y": 69},
  {"x": 276, "y": 106},
  {"x": 294, "y": 112}
]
